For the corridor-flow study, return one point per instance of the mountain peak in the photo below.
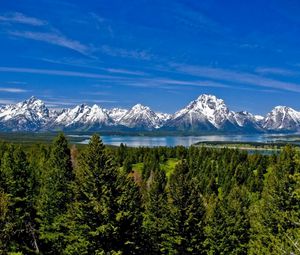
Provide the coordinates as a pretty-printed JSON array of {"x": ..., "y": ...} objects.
[
  {"x": 282, "y": 118},
  {"x": 210, "y": 100},
  {"x": 96, "y": 107},
  {"x": 140, "y": 107},
  {"x": 209, "y": 105},
  {"x": 140, "y": 116},
  {"x": 207, "y": 112},
  {"x": 207, "y": 97},
  {"x": 282, "y": 108},
  {"x": 33, "y": 100}
]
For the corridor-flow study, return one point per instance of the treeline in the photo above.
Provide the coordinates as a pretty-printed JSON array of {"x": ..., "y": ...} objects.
[{"x": 94, "y": 200}]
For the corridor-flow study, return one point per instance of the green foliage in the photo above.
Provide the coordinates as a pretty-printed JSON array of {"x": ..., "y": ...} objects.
[
  {"x": 121, "y": 200},
  {"x": 105, "y": 215},
  {"x": 54, "y": 196},
  {"x": 17, "y": 218},
  {"x": 276, "y": 216},
  {"x": 227, "y": 229},
  {"x": 157, "y": 221},
  {"x": 187, "y": 212}
]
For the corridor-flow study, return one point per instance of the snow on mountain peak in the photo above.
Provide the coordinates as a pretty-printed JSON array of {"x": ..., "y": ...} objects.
[
  {"x": 85, "y": 115},
  {"x": 140, "y": 107},
  {"x": 282, "y": 118},
  {"x": 206, "y": 107},
  {"x": 140, "y": 116},
  {"x": 116, "y": 113},
  {"x": 207, "y": 112},
  {"x": 30, "y": 114}
]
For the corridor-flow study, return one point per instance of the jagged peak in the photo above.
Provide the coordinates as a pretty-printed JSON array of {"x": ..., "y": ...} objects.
[
  {"x": 207, "y": 100},
  {"x": 206, "y": 109},
  {"x": 282, "y": 108},
  {"x": 96, "y": 107},
  {"x": 246, "y": 113},
  {"x": 208, "y": 105},
  {"x": 81, "y": 106},
  {"x": 207, "y": 97},
  {"x": 140, "y": 107},
  {"x": 33, "y": 100}
]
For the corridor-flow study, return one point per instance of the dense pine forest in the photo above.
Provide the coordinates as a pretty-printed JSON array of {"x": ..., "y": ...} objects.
[{"x": 63, "y": 199}]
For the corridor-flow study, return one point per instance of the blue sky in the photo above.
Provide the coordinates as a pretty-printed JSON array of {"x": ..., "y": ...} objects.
[{"x": 159, "y": 53}]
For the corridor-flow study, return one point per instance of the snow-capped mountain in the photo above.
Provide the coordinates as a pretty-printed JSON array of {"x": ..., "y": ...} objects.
[
  {"x": 30, "y": 115},
  {"x": 282, "y": 118},
  {"x": 248, "y": 121},
  {"x": 140, "y": 116},
  {"x": 164, "y": 117},
  {"x": 205, "y": 114},
  {"x": 83, "y": 116},
  {"x": 116, "y": 113}
]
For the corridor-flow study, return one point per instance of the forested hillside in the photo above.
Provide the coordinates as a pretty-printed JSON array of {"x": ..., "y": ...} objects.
[{"x": 61, "y": 199}]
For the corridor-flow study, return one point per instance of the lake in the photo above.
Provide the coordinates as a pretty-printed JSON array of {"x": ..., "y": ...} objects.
[{"x": 149, "y": 141}]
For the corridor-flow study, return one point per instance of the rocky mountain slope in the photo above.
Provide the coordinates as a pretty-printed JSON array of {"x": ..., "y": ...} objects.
[{"x": 205, "y": 114}]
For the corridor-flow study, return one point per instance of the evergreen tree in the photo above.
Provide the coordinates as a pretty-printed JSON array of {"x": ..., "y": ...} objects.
[
  {"x": 188, "y": 212},
  {"x": 104, "y": 218},
  {"x": 18, "y": 202},
  {"x": 5, "y": 223},
  {"x": 127, "y": 165},
  {"x": 55, "y": 195},
  {"x": 157, "y": 220},
  {"x": 275, "y": 217},
  {"x": 227, "y": 228},
  {"x": 129, "y": 216}
]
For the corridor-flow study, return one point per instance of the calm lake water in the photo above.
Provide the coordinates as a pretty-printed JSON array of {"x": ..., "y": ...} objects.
[{"x": 136, "y": 141}]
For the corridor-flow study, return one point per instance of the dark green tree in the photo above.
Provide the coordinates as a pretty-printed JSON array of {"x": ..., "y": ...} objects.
[
  {"x": 17, "y": 199},
  {"x": 157, "y": 222},
  {"x": 105, "y": 216},
  {"x": 227, "y": 228},
  {"x": 275, "y": 217},
  {"x": 188, "y": 212},
  {"x": 5, "y": 223},
  {"x": 54, "y": 196}
]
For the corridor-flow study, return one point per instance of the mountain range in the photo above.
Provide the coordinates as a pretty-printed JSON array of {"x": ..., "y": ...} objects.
[{"x": 205, "y": 114}]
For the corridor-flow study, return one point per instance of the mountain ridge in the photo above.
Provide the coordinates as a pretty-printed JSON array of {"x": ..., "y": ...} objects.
[{"x": 207, "y": 113}]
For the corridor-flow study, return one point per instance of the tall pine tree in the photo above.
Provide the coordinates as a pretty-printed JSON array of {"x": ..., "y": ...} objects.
[
  {"x": 54, "y": 196},
  {"x": 157, "y": 222},
  {"x": 188, "y": 212},
  {"x": 275, "y": 218},
  {"x": 17, "y": 204},
  {"x": 104, "y": 217}
]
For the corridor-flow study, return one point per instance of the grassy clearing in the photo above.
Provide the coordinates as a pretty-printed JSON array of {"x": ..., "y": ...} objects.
[
  {"x": 138, "y": 167},
  {"x": 168, "y": 166}
]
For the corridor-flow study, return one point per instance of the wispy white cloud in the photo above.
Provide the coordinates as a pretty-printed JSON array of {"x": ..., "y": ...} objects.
[
  {"x": 103, "y": 101},
  {"x": 276, "y": 71},
  {"x": 168, "y": 83},
  {"x": 96, "y": 93},
  {"x": 54, "y": 38},
  {"x": 194, "y": 19},
  {"x": 12, "y": 90},
  {"x": 126, "y": 53},
  {"x": 69, "y": 102},
  {"x": 232, "y": 76},
  {"x": 17, "y": 17},
  {"x": 123, "y": 71},
  {"x": 223, "y": 81},
  {"x": 7, "y": 101},
  {"x": 17, "y": 82},
  {"x": 92, "y": 64},
  {"x": 54, "y": 72},
  {"x": 102, "y": 24}
]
